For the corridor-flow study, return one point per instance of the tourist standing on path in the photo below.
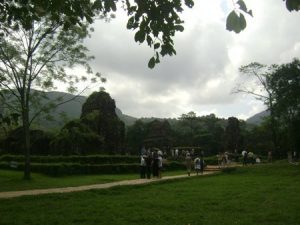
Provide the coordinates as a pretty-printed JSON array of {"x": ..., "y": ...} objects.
[
  {"x": 236, "y": 155},
  {"x": 155, "y": 165},
  {"x": 270, "y": 156},
  {"x": 251, "y": 157},
  {"x": 160, "y": 164},
  {"x": 148, "y": 160},
  {"x": 202, "y": 164},
  {"x": 295, "y": 155},
  {"x": 188, "y": 162},
  {"x": 176, "y": 153},
  {"x": 197, "y": 165},
  {"x": 245, "y": 157},
  {"x": 143, "y": 166},
  {"x": 220, "y": 159}
]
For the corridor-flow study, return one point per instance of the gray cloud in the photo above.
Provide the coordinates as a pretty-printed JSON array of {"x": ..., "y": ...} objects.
[{"x": 202, "y": 74}]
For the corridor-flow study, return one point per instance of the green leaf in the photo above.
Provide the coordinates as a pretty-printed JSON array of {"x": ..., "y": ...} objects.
[
  {"x": 140, "y": 36},
  {"x": 113, "y": 6},
  {"x": 243, "y": 23},
  {"x": 293, "y": 5},
  {"x": 242, "y": 5},
  {"x": 250, "y": 13},
  {"x": 179, "y": 28},
  {"x": 149, "y": 40},
  {"x": 130, "y": 23},
  {"x": 151, "y": 63},
  {"x": 189, "y": 3},
  {"x": 235, "y": 23}
]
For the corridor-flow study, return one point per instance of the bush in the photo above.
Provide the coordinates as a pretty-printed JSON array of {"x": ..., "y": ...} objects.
[
  {"x": 60, "y": 169},
  {"x": 90, "y": 159},
  {"x": 39, "y": 142},
  {"x": 173, "y": 165},
  {"x": 212, "y": 160}
]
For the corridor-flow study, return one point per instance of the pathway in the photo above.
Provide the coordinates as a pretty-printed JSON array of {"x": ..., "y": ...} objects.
[{"x": 13, "y": 194}]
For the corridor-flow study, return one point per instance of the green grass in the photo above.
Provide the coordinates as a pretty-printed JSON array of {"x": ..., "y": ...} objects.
[
  {"x": 12, "y": 180},
  {"x": 266, "y": 194}
]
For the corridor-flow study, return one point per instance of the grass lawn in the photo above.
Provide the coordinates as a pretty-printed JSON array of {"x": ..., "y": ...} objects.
[
  {"x": 266, "y": 194},
  {"x": 12, "y": 180}
]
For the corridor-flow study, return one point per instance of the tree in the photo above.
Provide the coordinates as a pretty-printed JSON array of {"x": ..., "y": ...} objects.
[
  {"x": 257, "y": 85},
  {"x": 186, "y": 130},
  {"x": 39, "y": 142},
  {"x": 233, "y": 137},
  {"x": 136, "y": 135},
  {"x": 8, "y": 123},
  {"x": 36, "y": 57},
  {"x": 158, "y": 134},
  {"x": 76, "y": 138},
  {"x": 215, "y": 128},
  {"x": 285, "y": 85},
  {"x": 258, "y": 138},
  {"x": 204, "y": 131}
]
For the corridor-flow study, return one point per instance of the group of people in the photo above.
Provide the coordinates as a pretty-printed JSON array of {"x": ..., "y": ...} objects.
[
  {"x": 151, "y": 164},
  {"x": 250, "y": 157},
  {"x": 176, "y": 153},
  {"x": 225, "y": 158},
  {"x": 198, "y": 162}
]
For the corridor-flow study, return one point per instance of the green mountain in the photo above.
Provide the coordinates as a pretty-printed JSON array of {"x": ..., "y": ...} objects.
[
  {"x": 258, "y": 118},
  {"x": 70, "y": 110}
]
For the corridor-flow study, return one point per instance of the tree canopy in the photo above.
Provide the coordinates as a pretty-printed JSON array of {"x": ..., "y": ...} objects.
[
  {"x": 155, "y": 22},
  {"x": 37, "y": 57},
  {"x": 285, "y": 86},
  {"x": 278, "y": 87}
]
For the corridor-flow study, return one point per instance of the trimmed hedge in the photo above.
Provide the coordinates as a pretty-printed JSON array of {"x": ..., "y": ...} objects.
[
  {"x": 89, "y": 159},
  {"x": 60, "y": 169},
  {"x": 212, "y": 160}
]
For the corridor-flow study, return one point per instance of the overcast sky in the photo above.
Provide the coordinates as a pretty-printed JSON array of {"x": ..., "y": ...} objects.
[{"x": 201, "y": 76}]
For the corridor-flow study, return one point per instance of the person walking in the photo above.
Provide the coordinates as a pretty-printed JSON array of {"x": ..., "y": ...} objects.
[
  {"x": 245, "y": 157},
  {"x": 197, "y": 165},
  {"x": 270, "y": 156},
  {"x": 160, "y": 164},
  {"x": 143, "y": 166},
  {"x": 202, "y": 164},
  {"x": 188, "y": 162},
  {"x": 155, "y": 165},
  {"x": 148, "y": 160}
]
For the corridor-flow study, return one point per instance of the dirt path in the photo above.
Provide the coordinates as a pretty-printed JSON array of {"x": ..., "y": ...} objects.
[{"x": 13, "y": 194}]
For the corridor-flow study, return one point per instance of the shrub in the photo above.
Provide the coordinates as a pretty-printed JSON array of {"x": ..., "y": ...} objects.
[
  {"x": 60, "y": 169},
  {"x": 89, "y": 159}
]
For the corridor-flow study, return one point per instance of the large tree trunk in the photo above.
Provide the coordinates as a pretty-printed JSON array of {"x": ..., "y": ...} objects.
[
  {"x": 27, "y": 144},
  {"x": 277, "y": 151}
]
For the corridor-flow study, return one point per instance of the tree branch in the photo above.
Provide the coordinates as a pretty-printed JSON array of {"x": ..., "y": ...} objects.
[{"x": 250, "y": 92}]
